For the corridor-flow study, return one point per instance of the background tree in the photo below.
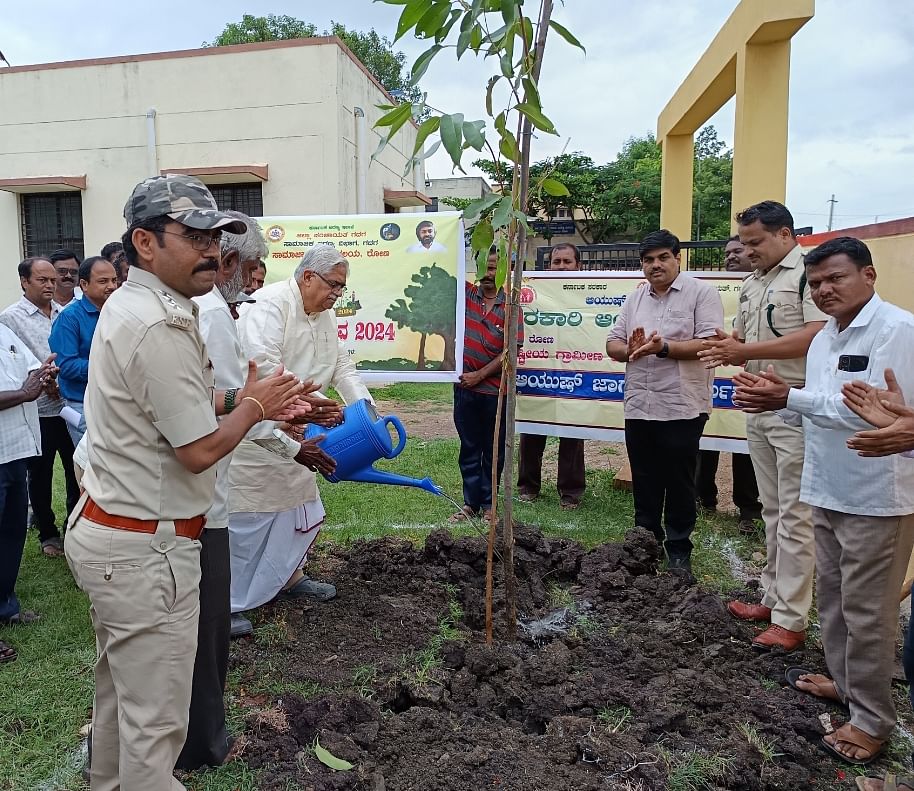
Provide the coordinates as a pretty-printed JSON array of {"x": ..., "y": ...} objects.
[
  {"x": 427, "y": 312},
  {"x": 374, "y": 51}
]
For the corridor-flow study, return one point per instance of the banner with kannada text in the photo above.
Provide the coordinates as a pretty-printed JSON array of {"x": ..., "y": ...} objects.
[
  {"x": 400, "y": 319},
  {"x": 567, "y": 385}
]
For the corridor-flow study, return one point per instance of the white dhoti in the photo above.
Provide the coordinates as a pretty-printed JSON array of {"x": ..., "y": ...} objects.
[{"x": 267, "y": 549}]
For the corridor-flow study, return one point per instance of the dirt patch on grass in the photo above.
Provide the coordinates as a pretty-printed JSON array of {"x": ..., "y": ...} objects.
[{"x": 634, "y": 679}]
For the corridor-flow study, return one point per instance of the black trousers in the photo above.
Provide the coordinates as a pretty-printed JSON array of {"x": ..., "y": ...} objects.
[
  {"x": 208, "y": 741},
  {"x": 745, "y": 488},
  {"x": 570, "y": 483},
  {"x": 13, "y": 511},
  {"x": 474, "y": 418},
  {"x": 663, "y": 455},
  {"x": 55, "y": 439}
]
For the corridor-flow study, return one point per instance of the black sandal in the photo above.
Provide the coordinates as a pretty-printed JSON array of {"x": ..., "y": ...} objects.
[{"x": 7, "y": 653}]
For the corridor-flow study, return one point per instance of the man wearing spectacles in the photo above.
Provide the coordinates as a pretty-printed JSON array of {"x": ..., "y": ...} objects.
[
  {"x": 66, "y": 262},
  {"x": 153, "y": 440},
  {"x": 276, "y": 510}
]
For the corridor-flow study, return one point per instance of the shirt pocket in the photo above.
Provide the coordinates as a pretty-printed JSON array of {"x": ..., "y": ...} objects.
[
  {"x": 678, "y": 325},
  {"x": 785, "y": 311},
  {"x": 13, "y": 369}
]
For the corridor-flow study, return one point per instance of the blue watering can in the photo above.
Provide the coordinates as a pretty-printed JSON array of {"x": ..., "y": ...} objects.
[{"x": 359, "y": 441}]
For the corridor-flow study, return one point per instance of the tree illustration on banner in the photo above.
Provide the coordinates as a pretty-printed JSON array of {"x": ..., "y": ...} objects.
[{"x": 428, "y": 312}]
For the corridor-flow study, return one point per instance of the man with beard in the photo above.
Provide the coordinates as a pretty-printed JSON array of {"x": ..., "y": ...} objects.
[
  {"x": 425, "y": 233},
  {"x": 31, "y": 318},
  {"x": 208, "y": 742},
  {"x": 71, "y": 335},
  {"x": 276, "y": 510}
]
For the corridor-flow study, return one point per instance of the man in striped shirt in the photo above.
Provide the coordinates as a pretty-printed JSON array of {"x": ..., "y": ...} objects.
[{"x": 476, "y": 394}]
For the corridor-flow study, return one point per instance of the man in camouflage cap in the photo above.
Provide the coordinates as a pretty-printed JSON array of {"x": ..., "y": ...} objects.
[{"x": 133, "y": 544}]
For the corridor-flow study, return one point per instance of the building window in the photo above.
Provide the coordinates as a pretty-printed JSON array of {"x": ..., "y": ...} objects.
[
  {"x": 561, "y": 212},
  {"x": 246, "y": 198},
  {"x": 433, "y": 206},
  {"x": 51, "y": 220}
]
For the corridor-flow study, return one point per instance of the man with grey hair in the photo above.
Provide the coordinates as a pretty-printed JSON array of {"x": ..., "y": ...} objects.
[
  {"x": 208, "y": 742},
  {"x": 276, "y": 510}
]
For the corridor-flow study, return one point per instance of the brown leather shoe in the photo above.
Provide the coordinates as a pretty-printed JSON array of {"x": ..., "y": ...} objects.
[
  {"x": 749, "y": 612},
  {"x": 778, "y": 637}
]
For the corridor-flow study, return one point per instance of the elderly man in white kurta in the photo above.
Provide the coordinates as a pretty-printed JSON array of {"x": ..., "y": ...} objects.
[{"x": 276, "y": 510}]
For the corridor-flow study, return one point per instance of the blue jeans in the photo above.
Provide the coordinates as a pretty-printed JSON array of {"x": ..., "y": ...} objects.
[
  {"x": 474, "y": 418},
  {"x": 14, "y": 499},
  {"x": 76, "y": 434}
]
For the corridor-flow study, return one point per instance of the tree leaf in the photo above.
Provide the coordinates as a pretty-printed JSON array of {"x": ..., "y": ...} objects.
[
  {"x": 536, "y": 117},
  {"x": 482, "y": 237},
  {"x": 508, "y": 146},
  {"x": 531, "y": 93},
  {"x": 433, "y": 19},
  {"x": 501, "y": 271},
  {"x": 422, "y": 63},
  {"x": 396, "y": 117},
  {"x": 566, "y": 34},
  {"x": 474, "y": 135},
  {"x": 502, "y": 213},
  {"x": 329, "y": 759},
  {"x": 489, "y": 88},
  {"x": 451, "y": 128},
  {"x": 509, "y": 11},
  {"x": 477, "y": 207},
  {"x": 412, "y": 13},
  {"x": 426, "y": 128},
  {"x": 463, "y": 41},
  {"x": 555, "y": 188}
]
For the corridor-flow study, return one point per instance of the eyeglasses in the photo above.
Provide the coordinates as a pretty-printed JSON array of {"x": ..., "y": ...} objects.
[
  {"x": 339, "y": 288},
  {"x": 62, "y": 270},
  {"x": 200, "y": 242}
]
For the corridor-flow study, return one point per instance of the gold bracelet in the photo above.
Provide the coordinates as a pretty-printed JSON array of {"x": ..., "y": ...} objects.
[{"x": 263, "y": 412}]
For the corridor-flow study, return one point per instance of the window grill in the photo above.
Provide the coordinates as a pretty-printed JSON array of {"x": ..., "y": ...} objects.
[
  {"x": 246, "y": 198},
  {"x": 51, "y": 220}
]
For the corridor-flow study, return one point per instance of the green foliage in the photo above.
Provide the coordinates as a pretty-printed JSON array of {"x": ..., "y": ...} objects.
[
  {"x": 374, "y": 51},
  {"x": 426, "y": 312},
  {"x": 621, "y": 200},
  {"x": 496, "y": 29}
]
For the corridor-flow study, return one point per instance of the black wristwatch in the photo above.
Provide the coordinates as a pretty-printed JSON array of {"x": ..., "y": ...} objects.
[
  {"x": 229, "y": 402},
  {"x": 665, "y": 351}
]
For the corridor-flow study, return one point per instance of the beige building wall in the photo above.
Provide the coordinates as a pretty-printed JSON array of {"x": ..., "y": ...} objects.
[{"x": 285, "y": 105}]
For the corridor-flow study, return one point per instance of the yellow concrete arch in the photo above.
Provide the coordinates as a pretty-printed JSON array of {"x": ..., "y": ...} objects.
[{"x": 749, "y": 57}]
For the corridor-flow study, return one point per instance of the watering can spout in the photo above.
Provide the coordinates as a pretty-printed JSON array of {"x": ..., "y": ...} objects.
[{"x": 371, "y": 475}]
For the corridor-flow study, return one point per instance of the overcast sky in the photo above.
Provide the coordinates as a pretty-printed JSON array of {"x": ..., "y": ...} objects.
[{"x": 851, "y": 108}]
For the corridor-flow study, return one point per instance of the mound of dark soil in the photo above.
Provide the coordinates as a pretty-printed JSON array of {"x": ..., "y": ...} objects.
[{"x": 627, "y": 678}]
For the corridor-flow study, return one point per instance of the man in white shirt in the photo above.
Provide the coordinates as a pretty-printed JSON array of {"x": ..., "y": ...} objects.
[
  {"x": 22, "y": 379},
  {"x": 275, "y": 506},
  {"x": 31, "y": 318},
  {"x": 208, "y": 742},
  {"x": 863, "y": 508},
  {"x": 425, "y": 233}
]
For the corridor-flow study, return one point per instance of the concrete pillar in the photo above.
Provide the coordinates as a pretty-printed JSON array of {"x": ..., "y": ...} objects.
[
  {"x": 676, "y": 185},
  {"x": 760, "y": 132}
]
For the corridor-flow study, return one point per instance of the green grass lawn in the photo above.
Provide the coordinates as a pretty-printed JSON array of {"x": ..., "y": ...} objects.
[{"x": 47, "y": 692}]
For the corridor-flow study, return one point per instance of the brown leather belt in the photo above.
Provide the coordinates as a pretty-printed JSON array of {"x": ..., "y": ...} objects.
[{"x": 186, "y": 528}]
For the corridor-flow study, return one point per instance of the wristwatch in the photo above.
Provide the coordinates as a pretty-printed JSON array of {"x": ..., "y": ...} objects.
[
  {"x": 665, "y": 351},
  {"x": 229, "y": 401}
]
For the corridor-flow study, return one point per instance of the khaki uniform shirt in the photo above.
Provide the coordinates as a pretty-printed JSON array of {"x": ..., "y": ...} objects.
[
  {"x": 150, "y": 391},
  {"x": 276, "y": 331},
  {"x": 775, "y": 295},
  {"x": 663, "y": 388}
]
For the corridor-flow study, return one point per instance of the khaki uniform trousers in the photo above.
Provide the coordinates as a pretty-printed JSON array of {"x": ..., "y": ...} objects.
[
  {"x": 777, "y": 454},
  {"x": 145, "y": 603},
  {"x": 861, "y": 563}
]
